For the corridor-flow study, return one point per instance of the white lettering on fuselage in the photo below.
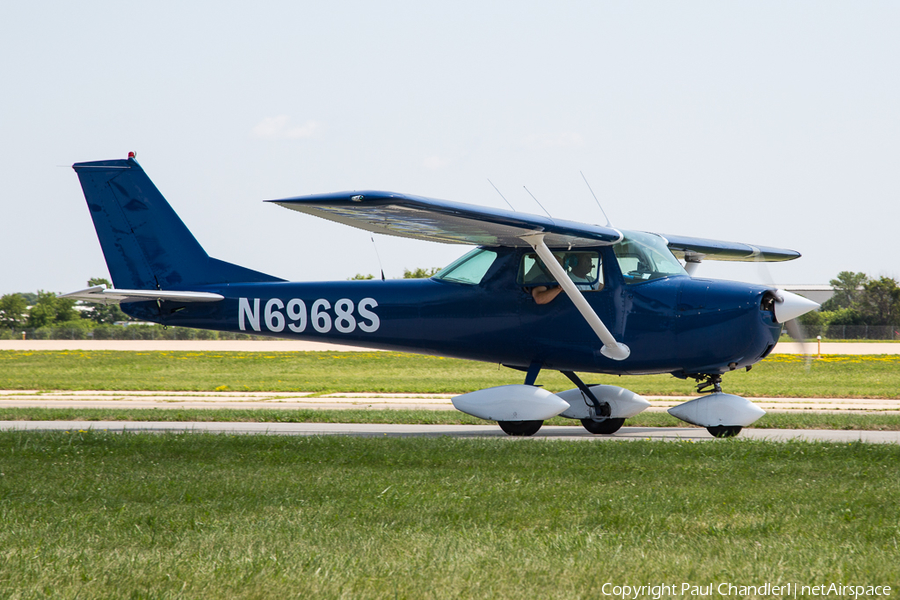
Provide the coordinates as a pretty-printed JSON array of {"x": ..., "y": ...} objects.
[{"x": 276, "y": 315}]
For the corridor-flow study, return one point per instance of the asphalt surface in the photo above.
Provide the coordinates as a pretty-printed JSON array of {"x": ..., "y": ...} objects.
[
  {"x": 573, "y": 433},
  {"x": 337, "y": 401}
]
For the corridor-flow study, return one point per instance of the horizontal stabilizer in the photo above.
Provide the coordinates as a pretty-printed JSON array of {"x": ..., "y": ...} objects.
[{"x": 103, "y": 295}]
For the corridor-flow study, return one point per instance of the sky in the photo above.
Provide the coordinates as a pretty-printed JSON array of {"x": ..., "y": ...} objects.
[{"x": 769, "y": 123}]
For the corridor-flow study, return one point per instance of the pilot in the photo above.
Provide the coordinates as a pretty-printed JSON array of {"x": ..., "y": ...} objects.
[
  {"x": 544, "y": 294},
  {"x": 579, "y": 266}
]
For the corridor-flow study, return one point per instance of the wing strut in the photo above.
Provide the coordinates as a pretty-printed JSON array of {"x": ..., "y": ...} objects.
[{"x": 611, "y": 348}]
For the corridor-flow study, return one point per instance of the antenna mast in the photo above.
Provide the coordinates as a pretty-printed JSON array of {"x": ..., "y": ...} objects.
[
  {"x": 538, "y": 201},
  {"x": 501, "y": 195},
  {"x": 608, "y": 223}
]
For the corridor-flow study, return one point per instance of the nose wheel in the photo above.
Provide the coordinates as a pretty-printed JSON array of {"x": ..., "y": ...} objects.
[
  {"x": 717, "y": 407},
  {"x": 724, "y": 431},
  {"x": 520, "y": 428}
]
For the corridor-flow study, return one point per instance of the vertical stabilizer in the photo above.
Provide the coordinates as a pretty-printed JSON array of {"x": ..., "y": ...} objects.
[{"x": 145, "y": 243}]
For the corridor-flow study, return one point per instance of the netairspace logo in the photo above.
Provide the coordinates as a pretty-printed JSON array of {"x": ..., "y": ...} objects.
[{"x": 784, "y": 590}]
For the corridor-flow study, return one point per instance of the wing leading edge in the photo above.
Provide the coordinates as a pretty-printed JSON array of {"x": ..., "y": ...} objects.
[
  {"x": 697, "y": 249},
  {"x": 447, "y": 222}
]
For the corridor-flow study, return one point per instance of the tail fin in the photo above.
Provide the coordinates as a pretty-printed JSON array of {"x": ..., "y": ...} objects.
[{"x": 146, "y": 245}]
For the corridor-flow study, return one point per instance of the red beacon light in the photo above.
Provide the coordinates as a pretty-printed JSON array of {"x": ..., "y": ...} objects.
[{"x": 132, "y": 155}]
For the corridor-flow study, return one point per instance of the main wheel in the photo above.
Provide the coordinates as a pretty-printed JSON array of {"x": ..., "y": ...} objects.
[
  {"x": 606, "y": 426},
  {"x": 724, "y": 431},
  {"x": 520, "y": 427}
]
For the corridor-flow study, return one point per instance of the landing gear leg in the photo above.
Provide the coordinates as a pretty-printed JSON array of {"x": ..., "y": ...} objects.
[
  {"x": 600, "y": 421},
  {"x": 707, "y": 382}
]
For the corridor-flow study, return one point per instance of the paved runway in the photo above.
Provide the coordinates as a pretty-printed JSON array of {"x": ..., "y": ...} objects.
[
  {"x": 692, "y": 434},
  {"x": 344, "y": 400}
]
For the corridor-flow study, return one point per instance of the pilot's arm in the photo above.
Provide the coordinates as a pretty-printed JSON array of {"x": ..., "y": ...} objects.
[{"x": 544, "y": 294}]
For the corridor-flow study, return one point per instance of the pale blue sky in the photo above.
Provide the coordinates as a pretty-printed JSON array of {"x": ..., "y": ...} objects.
[{"x": 769, "y": 123}]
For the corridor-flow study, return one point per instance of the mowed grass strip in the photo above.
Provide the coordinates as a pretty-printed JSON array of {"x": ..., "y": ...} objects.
[
  {"x": 94, "y": 515},
  {"x": 327, "y": 372},
  {"x": 798, "y": 420}
]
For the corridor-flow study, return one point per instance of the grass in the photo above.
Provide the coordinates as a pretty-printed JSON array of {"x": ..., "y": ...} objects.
[
  {"x": 95, "y": 515},
  {"x": 796, "y": 420},
  {"x": 328, "y": 372}
]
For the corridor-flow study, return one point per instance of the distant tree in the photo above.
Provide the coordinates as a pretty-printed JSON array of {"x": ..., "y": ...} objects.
[
  {"x": 846, "y": 290},
  {"x": 361, "y": 277},
  {"x": 420, "y": 273},
  {"x": 48, "y": 309},
  {"x": 104, "y": 313},
  {"x": 12, "y": 311},
  {"x": 30, "y": 297},
  {"x": 814, "y": 322},
  {"x": 844, "y": 316},
  {"x": 879, "y": 302}
]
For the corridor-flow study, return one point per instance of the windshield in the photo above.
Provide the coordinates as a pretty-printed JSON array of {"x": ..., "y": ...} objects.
[
  {"x": 470, "y": 268},
  {"x": 645, "y": 256}
]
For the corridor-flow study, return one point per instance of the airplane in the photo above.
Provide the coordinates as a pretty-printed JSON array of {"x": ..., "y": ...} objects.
[{"x": 536, "y": 293}]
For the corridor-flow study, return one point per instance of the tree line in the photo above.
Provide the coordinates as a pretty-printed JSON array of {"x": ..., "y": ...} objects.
[{"x": 45, "y": 309}]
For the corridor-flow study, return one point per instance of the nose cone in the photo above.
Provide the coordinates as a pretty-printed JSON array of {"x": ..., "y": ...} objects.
[{"x": 790, "y": 306}]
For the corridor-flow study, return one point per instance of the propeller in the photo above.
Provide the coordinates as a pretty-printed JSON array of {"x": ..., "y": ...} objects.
[{"x": 788, "y": 307}]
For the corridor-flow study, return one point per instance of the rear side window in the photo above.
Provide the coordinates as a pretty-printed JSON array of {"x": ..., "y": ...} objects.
[{"x": 470, "y": 268}]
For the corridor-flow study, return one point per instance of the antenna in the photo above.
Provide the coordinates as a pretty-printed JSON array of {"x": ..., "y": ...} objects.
[
  {"x": 538, "y": 201},
  {"x": 608, "y": 223},
  {"x": 378, "y": 256},
  {"x": 501, "y": 195}
]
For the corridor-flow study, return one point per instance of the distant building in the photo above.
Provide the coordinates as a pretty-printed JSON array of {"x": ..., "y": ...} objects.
[{"x": 815, "y": 292}]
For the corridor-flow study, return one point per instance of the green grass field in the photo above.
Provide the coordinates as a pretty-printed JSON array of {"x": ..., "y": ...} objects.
[
  {"x": 95, "y": 515},
  {"x": 326, "y": 372}
]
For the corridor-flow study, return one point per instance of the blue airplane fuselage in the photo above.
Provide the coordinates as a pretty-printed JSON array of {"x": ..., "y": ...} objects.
[{"x": 673, "y": 324}]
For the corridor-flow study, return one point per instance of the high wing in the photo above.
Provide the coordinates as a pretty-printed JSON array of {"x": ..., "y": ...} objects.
[
  {"x": 421, "y": 218},
  {"x": 447, "y": 222},
  {"x": 697, "y": 249}
]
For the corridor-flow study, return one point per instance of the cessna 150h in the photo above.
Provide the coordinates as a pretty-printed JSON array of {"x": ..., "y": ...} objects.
[{"x": 624, "y": 303}]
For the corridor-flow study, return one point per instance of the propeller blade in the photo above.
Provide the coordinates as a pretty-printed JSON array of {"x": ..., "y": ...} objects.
[{"x": 789, "y": 306}]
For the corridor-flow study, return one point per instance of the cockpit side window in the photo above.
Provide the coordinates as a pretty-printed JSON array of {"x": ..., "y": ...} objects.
[
  {"x": 470, "y": 268},
  {"x": 645, "y": 256},
  {"x": 582, "y": 266}
]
